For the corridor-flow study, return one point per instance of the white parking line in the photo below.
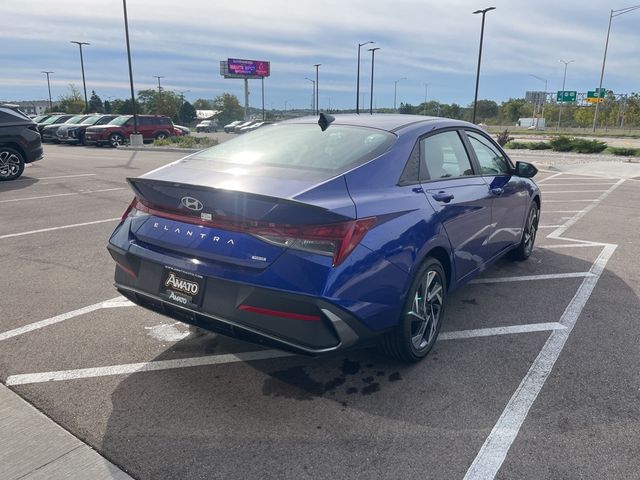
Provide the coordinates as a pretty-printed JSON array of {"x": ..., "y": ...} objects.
[
  {"x": 558, "y": 232},
  {"x": 561, "y": 211},
  {"x": 495, "y": 448},
  {"x": 57, "y": 376},
  {"x": 56, "y": 177},
  {"x": 525, "y": 278},
  {"x": 575, "y": 184},
  {"x": 510, "y": 330},
  {"x": 572, "y": 245},
  {"x": 546, "y": 192},
  {"x": 114, "y": 302},
  {"x": 549, "y": 226},
  {"x": 52, "y": 229},
  {"x": 566, "y": 201},
  {"x": 24, "y": 199},
  {"x": 549, "y": 177}
]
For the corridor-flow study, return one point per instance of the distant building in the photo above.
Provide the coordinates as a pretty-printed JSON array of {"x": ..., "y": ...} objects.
[{"x": 32, "y": 107}]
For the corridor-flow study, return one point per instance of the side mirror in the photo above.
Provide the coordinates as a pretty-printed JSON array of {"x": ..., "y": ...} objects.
[{"x": 525, "y": 170}]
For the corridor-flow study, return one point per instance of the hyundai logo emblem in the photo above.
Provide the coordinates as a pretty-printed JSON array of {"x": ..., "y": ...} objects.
[{"x": 191, "y": 203}]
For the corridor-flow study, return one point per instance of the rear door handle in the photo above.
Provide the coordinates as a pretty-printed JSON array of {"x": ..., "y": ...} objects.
[
  {"x": 443, "y": 197},
  {"x": 497, "y": 191}
]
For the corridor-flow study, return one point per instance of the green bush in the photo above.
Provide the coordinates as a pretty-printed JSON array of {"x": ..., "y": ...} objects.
[
  {"x": 582, "y": 145},
  {"x": 562, "y": 143},
  {"x": 162, "y": 142},
  {"x": 516, "y": 145},
  {"x": 186, "y": 141},
  {"x": 625, "y": 152},
  {"x": 538, "y": 145}
]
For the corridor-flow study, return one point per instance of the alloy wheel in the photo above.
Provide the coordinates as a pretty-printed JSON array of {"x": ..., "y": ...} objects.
[
  {"x": 116, "y": 140},
  {"x": 425, "y": 311},
  {"x": 9, "y": 164},
  {"x": 530, "y": 230}
]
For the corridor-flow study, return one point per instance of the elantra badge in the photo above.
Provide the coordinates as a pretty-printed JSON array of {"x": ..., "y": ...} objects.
[{"x": 191, "y": 203}]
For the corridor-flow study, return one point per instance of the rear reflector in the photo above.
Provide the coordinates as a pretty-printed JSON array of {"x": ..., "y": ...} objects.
[
  {"x": 336, "y": 240},
  {"x": 279, "y": 313}
]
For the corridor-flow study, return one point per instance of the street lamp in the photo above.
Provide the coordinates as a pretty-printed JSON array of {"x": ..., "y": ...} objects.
[
  {"x": 426, "y": 89},
  {"x": 544, "y": 97},
  {"x": 373, "y": 58},
  {"x": 317, "y": 88},
  {"x": 133, "y": 97},
  {"x": 49, "y": 87},
  {"x": 475, "y": 97},
  {"x": 395, "y": 91},
  {"x": 84, "y": 84},
  {"x": 564, "y": 78},
  {"x": 313, "y": 94},
  {"x": 614, "y": 13},
  {"x": 358, "y": 77}
]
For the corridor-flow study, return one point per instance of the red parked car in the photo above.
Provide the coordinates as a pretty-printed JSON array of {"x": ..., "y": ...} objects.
[{"x": 117, "y": 132}]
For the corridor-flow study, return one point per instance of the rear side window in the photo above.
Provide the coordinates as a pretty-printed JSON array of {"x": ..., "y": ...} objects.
[
  {"x": 165, "y": 121},
  {"x": 491, "y": 161},
  {"x": 443, "y": 156},
  {"x": 295, "y": 151}
]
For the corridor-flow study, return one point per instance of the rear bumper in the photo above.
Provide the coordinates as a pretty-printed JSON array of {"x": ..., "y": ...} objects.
[{"x": 320, "y": 326}]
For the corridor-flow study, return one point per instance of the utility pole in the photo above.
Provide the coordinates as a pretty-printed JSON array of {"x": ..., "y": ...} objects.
[{"x": 159, "y": 93}]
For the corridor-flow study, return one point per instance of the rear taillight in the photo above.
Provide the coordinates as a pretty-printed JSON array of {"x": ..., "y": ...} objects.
[{"x": 336, "y": 240}]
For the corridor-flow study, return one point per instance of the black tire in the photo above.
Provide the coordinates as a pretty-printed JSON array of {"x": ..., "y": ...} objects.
[
  {"x": 161, "y": 135},
  {"x": 11, "y": 163},
  {"x": 82, "y": 140},
  {"x": 416, "y": 332},
  {"x": 115, "y": 140},
  {"x": 524, "y": 249}
]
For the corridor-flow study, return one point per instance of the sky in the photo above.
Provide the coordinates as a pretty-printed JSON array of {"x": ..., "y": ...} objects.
[{"x": 421, "y": 42}]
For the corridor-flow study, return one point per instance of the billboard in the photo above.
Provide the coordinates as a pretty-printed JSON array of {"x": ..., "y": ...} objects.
[{"x": 240, "y": 68}]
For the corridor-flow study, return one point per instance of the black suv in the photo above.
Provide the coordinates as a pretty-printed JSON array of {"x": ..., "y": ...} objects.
[{"x": 19, "y": 142}]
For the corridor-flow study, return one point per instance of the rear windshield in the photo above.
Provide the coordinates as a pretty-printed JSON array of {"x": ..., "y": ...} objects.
[
  {"x": 91, "y": 120},
  {"x": 50, "y": 120},
  {"x": 39, "y": 118},
  {"x": 297, "y": 147},
  {"x": 76, "y": 119},
  {"x": 119, "y": 120}
]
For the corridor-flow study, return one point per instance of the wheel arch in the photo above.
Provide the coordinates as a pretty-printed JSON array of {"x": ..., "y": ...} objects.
[
  {"x": 16, "y": 147},
  {"x": 442, "y": 255}
]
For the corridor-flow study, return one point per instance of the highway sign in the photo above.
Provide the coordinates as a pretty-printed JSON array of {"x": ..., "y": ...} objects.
[
  {"x": 597, "y": 93},
  {"x": 594, "y": 100},
  {"x": 566, "y": 96}
]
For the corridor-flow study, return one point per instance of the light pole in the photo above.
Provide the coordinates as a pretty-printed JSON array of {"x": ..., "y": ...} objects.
[
  {"x": 475, "y": 97},
  {"x": 159, "y": 92},
  {"x": 613, "y": 13},
  {"x": 395, "y": 91},
  {"x": 358, "y": 77},
  {"x": 182, "y": 92},
  {"x": 49, "y": 87},
  {"x": 373, "y": 58},
  {"x": 133, "y": 97},
  {"x": 426, "y": 89},
  {"x": 84, "y": 84},
  {"x": 564, "y": 78},
  {"x": 544, "y": 96},
  {"x": 317, "y": 88},
  {"x": 313, "y": 94}
]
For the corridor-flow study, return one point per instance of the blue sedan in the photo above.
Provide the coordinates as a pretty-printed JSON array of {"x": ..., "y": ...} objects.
[{"x": 317, "y": 234}]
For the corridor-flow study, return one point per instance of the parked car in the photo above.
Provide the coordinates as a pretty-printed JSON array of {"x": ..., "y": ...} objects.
[
  {"x": 230, "y": 126},
  {"x": 207, "y": 126},
  {"x": 252, "y": 127},
  {"x": 49, "y": 132},
  {"x": 74, "y": 133},
  {"x": 326, "y": 234},
  {"x": 54, "y": 120},
  {"x": 117, "y": 132},
  {"x": 181, "y": 130},
  {"x": 20, "y": 142},
  {"x": 242, "y": 125}
]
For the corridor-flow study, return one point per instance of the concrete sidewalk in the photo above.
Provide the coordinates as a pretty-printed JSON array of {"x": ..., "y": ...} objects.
[{"x": 34, "y": 447}]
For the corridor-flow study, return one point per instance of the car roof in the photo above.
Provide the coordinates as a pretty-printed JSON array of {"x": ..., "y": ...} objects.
[{"x": 391, "y": 122}]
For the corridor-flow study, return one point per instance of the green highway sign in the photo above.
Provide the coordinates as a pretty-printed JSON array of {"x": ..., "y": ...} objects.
[
  {"x": 597, "y": 93},
  {"x": 566, "y": 96}
]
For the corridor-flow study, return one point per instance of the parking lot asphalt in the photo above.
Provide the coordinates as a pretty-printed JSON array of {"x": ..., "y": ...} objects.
[{"x": 535, "y": 374}]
